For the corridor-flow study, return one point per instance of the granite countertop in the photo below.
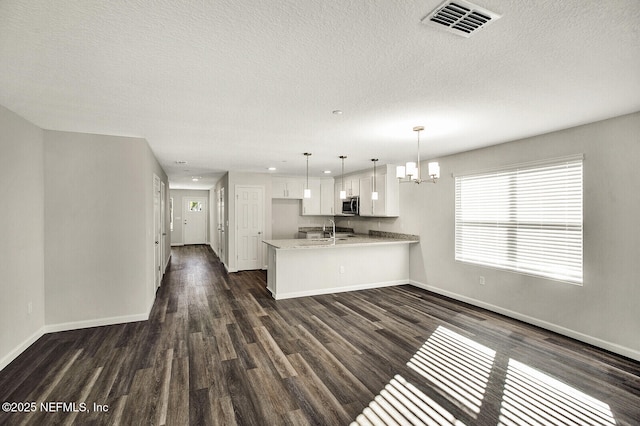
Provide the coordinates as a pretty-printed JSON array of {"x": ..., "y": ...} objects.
[
  {"x": 314, "y": 229},
  {"x": 373, "y": 238}
]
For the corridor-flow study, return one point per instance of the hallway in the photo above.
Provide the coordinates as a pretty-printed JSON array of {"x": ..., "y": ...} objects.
[{"x": 219, "y": 350}]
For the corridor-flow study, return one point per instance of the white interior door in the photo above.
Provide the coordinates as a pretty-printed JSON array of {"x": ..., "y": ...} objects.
[
  {"x": 157, "y": 231},
  {"x": 250, "y": 224},
  {"x": 163, "y": 227},
  {"x": 194, "y": 219},
  {"x": 221, "y": 226}
]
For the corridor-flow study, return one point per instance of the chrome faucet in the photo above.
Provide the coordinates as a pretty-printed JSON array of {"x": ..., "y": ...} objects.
[{"x": 333, "y": 232}]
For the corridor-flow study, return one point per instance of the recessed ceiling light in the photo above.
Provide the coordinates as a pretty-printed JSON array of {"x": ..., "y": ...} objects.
[
  {"x": 326, "y": 172},
  {"x": 336, "y": 112},
  {"x": 271, "y": 169},
  {"x": 195, "y": 178}
]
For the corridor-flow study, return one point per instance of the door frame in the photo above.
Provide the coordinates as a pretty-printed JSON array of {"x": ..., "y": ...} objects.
[
  {"x": 157, "y": 231},
  {"x": 221, "y": 225},
  {"x": 163, "y": 226}
]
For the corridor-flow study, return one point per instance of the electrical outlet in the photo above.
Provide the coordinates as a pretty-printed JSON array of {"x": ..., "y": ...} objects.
[
  {"x": 481, "y": 280},
  {"x": 342, "y": 269}
]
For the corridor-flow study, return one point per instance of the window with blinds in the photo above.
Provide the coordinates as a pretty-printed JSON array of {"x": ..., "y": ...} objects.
[{"x": 526, "y": 218}]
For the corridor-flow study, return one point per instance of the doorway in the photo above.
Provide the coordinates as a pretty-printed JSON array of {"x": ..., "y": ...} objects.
[
  {"x": 250, "y": 224},
  {"x": 157, "y": 229},
  {"x": 194, "y": 216},
  {"x": 221, "y": 226}
]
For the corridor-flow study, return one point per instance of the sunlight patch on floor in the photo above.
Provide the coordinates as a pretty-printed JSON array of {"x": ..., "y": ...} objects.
[
  {"x": 457, "y": 365},
  {"x": 532, "y": 397},
  {"x": 401, "y": 403}
]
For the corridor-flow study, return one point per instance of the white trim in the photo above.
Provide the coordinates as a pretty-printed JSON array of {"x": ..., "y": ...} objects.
[
  {"x": 15, "y": 352},
  {"x": 98, "y": 322},
  {"x": 176, "y": 244},
  {"x": 332, "y": 290},
  {"x": 613, "y": 347},
  {"x": 76, "y": 325}
]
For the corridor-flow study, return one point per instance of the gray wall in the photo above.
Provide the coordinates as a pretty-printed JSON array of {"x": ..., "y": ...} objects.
[
  {"x": 98, "y": 229},
  {"x": 22, "y": 248},
  {"x": 603, "y": 311},
  {"x": 78, "y": 245},
  {"x": 178, "y": 196}
]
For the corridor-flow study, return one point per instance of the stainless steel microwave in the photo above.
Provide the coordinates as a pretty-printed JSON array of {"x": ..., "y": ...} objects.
[{"x": 351, "y": 205}]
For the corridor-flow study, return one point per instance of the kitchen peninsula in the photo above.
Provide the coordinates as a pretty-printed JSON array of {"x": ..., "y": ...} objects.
[{"x": 299, "y": 267}]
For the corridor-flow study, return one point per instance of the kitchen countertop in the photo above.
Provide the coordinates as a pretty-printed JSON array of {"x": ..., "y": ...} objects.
[{"x": 373, "y": 238}]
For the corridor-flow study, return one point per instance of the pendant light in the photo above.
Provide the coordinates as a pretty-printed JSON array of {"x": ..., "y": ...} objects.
[
  {"x": 307, "y": 191},
  {"x": 411, "y": 171},
  {"x": 343, "y": 193},
  {"x": 374, "y": 193}
]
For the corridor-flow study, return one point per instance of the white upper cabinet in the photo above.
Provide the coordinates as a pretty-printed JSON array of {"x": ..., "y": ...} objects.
[
  {"x": 321, "y": 202},
  {"x": 326, "y": 197},
  {"x": 287, "y": 187},
  {"x": 388, "y": 189},
  {"x": 352, "y": 186}
]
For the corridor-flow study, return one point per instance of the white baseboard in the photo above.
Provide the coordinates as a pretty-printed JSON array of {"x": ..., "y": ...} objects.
[
  {"x": 98, "y": 322},
  {"x": 331, "y": 290},
  {"x": 613, "y": 347},
  {"x": 176, "y": 244},
  {"x": 6, "y": 360}
]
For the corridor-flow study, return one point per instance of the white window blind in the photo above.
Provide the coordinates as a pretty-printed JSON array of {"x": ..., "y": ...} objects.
[{"x": 525, "y": 218}]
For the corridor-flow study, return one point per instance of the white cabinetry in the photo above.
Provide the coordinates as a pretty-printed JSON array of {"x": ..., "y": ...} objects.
[
  {"x": 352, "y": 186},
  {"x": 326, "y": 197},
  {"x": 321, "y": 202},
  {"x": 387, "y": 186},
  {"x": 287, "y": 187}
]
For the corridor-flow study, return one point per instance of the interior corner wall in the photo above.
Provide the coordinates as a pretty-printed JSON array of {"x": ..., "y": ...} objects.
[
  {"x": 22, "y": 248},
  {"x": 97, "y": 229},
  {"x": 603, "y": 310}
]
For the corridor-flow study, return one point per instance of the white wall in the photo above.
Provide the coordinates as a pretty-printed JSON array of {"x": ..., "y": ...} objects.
[
  {"x": 178, "y": 196},
  {"x": 287, "y": 218},
  {"x": 98, "y": 229},
  {"x": 603, "y": 311},
  {"x": 22, "y": 248}
]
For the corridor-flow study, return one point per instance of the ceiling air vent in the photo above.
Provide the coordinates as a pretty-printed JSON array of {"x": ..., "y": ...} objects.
[{"x": 460, "y": 17}]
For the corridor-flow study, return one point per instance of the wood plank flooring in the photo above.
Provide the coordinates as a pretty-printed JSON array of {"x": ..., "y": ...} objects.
[{"x": 219, "y": 350}]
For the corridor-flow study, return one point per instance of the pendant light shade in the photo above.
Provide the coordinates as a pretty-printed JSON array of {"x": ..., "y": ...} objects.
[
  {"x": 307, "y": 191},
  {"x": 374, "y": 193},
  {"x": 343, "y": 193}
]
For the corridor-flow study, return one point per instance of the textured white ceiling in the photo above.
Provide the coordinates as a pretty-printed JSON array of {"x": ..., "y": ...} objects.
[{"x": 243, "y": 85}]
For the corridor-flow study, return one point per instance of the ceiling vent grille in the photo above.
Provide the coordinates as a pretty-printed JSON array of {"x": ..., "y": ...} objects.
[{"x": 460, "y": 17}]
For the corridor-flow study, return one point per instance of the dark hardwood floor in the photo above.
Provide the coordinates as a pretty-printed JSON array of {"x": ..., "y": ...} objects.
[{"x": 219, "y": 350}]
